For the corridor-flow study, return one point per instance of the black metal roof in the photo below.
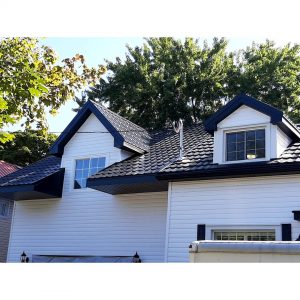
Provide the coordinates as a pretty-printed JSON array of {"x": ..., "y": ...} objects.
[
  {"x": 42, "y": 179},
  {"x": 150, "y": 167},
  {"x": 126, "y": 134}
]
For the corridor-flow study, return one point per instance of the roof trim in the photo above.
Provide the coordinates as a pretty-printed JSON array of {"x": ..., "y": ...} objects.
[
  {"x": 275, "y": 114},
  {"x": 128, "y": 184},
  {"x": 88, "y": 108},
  {"x": 250, "y": 169},
  {"x": 48, "y": 187}
]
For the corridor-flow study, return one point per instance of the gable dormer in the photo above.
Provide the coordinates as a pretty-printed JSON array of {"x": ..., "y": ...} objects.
[
  {"x": 127, "y": 135},
  {"x": 247, "y": 130}
]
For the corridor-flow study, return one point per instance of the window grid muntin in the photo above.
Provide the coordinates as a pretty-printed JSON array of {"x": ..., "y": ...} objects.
[
  {"x": 244, "y": 235},
  {"x": 85, "y": 168},
  {"x": 4, "y": 208},
  {"x": 241, "y": 142}
]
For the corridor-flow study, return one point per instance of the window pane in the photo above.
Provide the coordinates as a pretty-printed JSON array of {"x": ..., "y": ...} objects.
[
  {"x": 260, "y": 153},
  {"x": 260, "y": 134},
  {"x": 83, "y": 183},
  {"x": 86, "y": 163},
  {"x": 255, "y": 145},
  {"x": 78, "y": 174},
  {"x": 85, "y": 173},
  {"x": 260, "y": 144},
  {"x": 231, "y": 147},
  {"x": 231, "y": 156},
  {"x": 240, "y": 155},
  {"x": 250, "y": 135},
  {"x": 251, "y": 154},
  {"x": 79, "y": 164},
  {"x": 86, "y": 168},
  {"x": 245, "y": 235},
  {"x": 231, "y": 137},
  {"x": 240, "y": 146},
  {"x": 94, "y": 162},
  {"x": 93, "y": 171},
  {"x": 240, "y": 136},
  {"x": 250, "y": 145},
  {"x": 101, "y": 162}
]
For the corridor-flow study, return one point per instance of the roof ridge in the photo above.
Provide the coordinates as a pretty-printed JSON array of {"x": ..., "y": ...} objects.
[{"x": 117, "y": 115}]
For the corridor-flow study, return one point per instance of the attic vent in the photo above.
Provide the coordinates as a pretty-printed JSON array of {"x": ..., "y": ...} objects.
[{"x": 178, "y": 128}]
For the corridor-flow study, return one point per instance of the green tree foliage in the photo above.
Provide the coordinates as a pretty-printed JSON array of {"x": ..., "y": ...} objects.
[
  {"x": 271, "y": 74},
  {"x": 167, "y": 79},
  {"x": 26, "y": 147},
  {"x": 32, "y": 80}
]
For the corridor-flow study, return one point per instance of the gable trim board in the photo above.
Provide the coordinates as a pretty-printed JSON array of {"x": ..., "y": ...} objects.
[
  {"x": 277, "y": 117},
  {"x": 89, "y": 107}
]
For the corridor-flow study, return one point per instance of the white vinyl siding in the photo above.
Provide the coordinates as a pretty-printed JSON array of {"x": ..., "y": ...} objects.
[
  {"x": 91, "y": 223},
  {"x": 255, "y": 202},
  {"x": 86, "y": 221}
]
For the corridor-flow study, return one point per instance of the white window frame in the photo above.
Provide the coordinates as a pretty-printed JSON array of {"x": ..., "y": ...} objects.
[
  {"x": 105, "y": 155},
  {"x": 266, "y": 127},
  {"x": 209, "y": 229}
]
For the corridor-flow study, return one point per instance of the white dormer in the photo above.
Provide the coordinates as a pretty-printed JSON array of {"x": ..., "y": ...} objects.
[{"x": 247, "y": 130}]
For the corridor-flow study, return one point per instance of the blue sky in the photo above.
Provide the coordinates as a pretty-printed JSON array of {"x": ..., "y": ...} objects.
[{"x": 95, "y": 51}]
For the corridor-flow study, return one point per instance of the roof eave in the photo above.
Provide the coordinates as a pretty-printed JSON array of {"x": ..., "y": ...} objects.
[
  {"x": 129, "y": 184},
  {"x": 234, "y": 171},
  {"x": 48, "y": 187}
]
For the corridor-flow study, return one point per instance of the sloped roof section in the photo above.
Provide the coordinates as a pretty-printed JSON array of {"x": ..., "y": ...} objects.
[
  {"x": 127, "y": 135},
  {"x": 7, "y": 168},
  {"x": 133, "y": 135},
  {"x": 277, "y": 116},
  {"x": 43, "y": 179},
  {"x": 163, "y": 151}
]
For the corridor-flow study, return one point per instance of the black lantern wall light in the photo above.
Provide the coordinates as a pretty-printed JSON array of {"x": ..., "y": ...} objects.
[{"x": 24, "y": 258}]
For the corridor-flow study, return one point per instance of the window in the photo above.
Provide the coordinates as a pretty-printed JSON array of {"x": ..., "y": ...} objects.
[
  {"x": 85, "y": 168},
  {"x": 4, "y": 207},
  {"x": 243, "y": 145},
  {"x": 257, "y": 235}
]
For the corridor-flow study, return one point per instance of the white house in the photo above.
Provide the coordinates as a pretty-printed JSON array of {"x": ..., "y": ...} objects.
[{"x": 110, "y": 189}]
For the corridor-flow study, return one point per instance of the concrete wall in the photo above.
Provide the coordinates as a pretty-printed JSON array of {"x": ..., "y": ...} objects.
[{"x": 244, "y": 252}]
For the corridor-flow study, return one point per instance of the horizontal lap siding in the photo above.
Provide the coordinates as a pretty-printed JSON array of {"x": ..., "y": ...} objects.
[
  {"x": 247, "y": 201},
  {"x": 98, "y": 225},
  {"x": 89, "y": 222},
  {"x": 5, "y": 223}
]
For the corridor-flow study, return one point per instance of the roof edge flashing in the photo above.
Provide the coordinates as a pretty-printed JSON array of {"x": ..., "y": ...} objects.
[{"x": 275, "y": 114}]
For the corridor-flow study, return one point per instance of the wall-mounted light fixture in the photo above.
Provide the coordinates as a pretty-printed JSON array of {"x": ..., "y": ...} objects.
[
  {"x": 24, "y": 258},
  {"x": 136, "y": 258}
]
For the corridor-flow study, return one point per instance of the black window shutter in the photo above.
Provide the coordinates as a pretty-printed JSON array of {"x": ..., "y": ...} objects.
[
  {"x": 286, "y": 231},
  {"x": 200, "y": 232}
]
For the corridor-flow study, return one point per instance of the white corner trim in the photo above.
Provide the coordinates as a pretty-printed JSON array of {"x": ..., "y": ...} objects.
[{"x": 168, "y": 221}]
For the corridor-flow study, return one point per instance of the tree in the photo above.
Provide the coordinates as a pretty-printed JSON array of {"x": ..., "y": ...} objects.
[
  {"x": 32, "y": 80},
  {"x": 271, "y": 74},
  {"x": 166, "y": 79},
  {"x": 26, "y": 147}
]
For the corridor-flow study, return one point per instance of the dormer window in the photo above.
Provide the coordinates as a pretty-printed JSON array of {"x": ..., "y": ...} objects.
[
  {"x": 245, "y": 145},
  {"x": 85, "y": 168}
]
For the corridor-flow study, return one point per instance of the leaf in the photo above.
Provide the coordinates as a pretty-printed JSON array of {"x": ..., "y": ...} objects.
[{"x": 34, "y": 92}]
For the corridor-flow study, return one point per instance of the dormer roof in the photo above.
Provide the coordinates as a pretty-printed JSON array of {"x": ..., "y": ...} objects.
[
  {"x": 127, "y": 135},
  {"x": 276, "y": 116}
]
